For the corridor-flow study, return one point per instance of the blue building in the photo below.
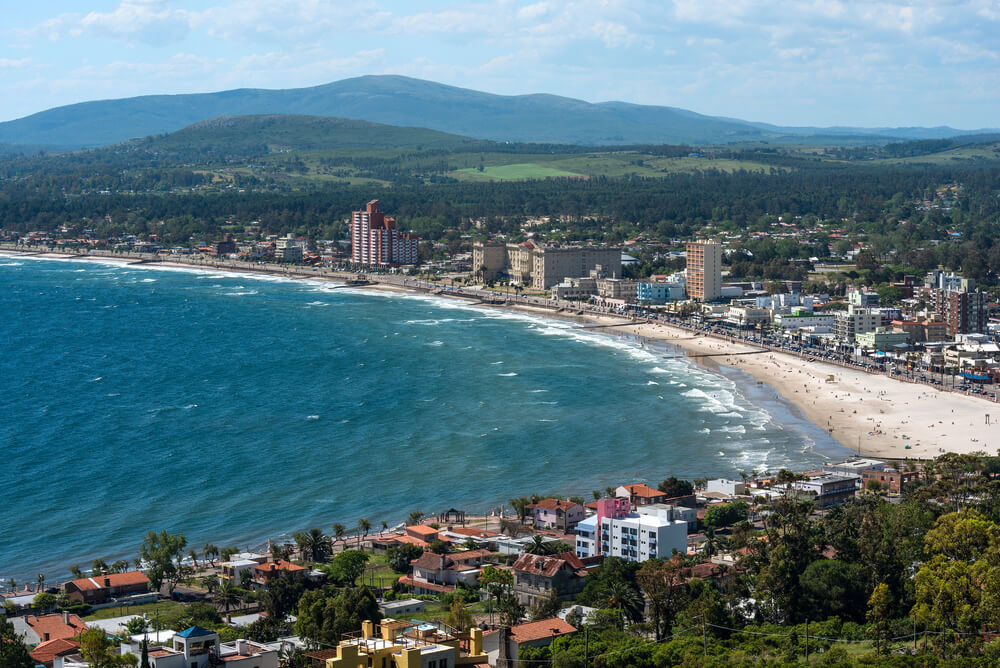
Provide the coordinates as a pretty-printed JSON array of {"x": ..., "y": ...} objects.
[{"x": 649, "y": 293}]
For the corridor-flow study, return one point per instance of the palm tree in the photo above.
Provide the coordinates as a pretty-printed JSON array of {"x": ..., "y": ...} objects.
[
  {"x": 193, "y": 553},
  {"x": 385, "y": 525},
  {"x": 597, "y": 494},
  {"x": 415, "y": 517},
  {"x": 314, "y": 542},
  {"x": 338, "y": 532},
  {"x": 623, "y": 597},
  {"x": 41, "y": 581},
  {"x": 210, "y": 551},
  {"x": 226, "y": 595},
  {"x": 364, "y": 526},
  {"x": 537, "y": 546}
]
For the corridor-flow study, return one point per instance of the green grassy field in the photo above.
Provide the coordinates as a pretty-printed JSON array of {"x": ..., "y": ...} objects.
[
  {"x": 515, "y": 172},
  {"x": 163, "y": 607}
]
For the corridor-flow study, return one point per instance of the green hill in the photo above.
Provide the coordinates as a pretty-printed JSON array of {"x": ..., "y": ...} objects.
[
  {"x": 402, "y": 101},
  {"x": 278, "y": 133}
]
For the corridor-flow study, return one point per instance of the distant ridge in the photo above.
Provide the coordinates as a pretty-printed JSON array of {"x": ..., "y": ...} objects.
[{"x": 403, "y": 101}]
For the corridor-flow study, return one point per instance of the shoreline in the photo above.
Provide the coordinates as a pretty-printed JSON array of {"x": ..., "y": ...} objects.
[
  {"x": 884, "y": 427},
  {"x": 772, "y": 369}
]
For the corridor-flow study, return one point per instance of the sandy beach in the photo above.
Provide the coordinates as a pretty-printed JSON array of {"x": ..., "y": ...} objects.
[{"x": 875, "y": 415}]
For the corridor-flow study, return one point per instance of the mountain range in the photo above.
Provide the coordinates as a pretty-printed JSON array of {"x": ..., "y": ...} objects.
[{"x": 408, "y": 102}]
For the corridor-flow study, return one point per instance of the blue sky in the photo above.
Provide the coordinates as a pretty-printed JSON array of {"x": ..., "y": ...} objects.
[{"x": 823, "y": 62}]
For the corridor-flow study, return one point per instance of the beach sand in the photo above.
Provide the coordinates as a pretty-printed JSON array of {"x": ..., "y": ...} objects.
[{"x": 872, "y": 414}]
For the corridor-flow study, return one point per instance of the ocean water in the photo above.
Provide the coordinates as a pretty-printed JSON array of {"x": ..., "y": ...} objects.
[{"x": 234, "y": 408}]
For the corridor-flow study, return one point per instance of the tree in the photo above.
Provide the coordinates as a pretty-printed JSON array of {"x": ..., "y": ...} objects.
[
  {"x": 364, "y": 526},
  {"x": 323, "y": 619},
  {"x": 347, "y": 566},
  {"x": 546, "y": 606},
  {"x": 44, "y": 601},
  {"x": 281, "y": 597},
  {"x": 338, "y": 532},
  {"x": 98, "y": 650},
  {"x": 879, "y": 616},
  {"x": 833, "y": 588},
  {"x": 458, "y": 617},
  {"x": 520, "y": 506},
  {"x": 726, "y": 514},
  {"x": 401, "y": 556},
  {"x": 136, "y": 625},
  {"x": 163, "y": 552},
  {"x": 210, "y": 582},
  {"x": 210, "y": 551},
  {"x": 623, "y": 597},
  {"x": 496, "y": 582},
  {"x": 313, "y": 543},
  {"x": 414, "y": 517},
  {"x": 511, "y": 612},
  {"x": 663, "y": 583},
  {"x": 144, "y": 660},
  {"x": 673, "y": 487},
  {"x": 226, "y": 595},
  {"x": 13, "y": 653}
]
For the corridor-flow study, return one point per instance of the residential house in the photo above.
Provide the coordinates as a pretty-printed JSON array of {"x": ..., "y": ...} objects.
[
  {"x": 535, "y": 575},
  {"x": 46, "y": 653},
  {"x": 103, "y": 588},
  {"x": 233, "y": 570},
  {"x": 828, "y": 489},
  {"x": 556, "y": 514},
  {"x": 37, "y": 629},
  {"x": 264, "y": 574},
  {"x": 440, "y": 573},
  {"x": 641, "y": 494},
  {"x": 507, "y": 643},
  {"x": 893, "y": 481}
]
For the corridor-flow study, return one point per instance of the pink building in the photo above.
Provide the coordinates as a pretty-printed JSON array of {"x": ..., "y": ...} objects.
[{"x": 375, "y": 241}]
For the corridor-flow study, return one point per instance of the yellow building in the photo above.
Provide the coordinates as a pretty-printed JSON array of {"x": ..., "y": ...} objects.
[
  {"x": 399, "y": 644},
  {"x": 704, "y": 270}
]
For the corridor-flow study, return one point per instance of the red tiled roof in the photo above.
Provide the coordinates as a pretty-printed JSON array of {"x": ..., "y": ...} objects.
[
  {"x": 643, "y": 490},
  {"x": 545, "y": 628},
  {"x": 456, "y": 561},
  {"x": 279, "y": 565},
  {"x": 114, "y": 580},
  {"x": 47, "y": 651},
  {"x": 422, "y": 529},
  {"x": 553, "y": 504},
  {"x": 55, "y": 626}
]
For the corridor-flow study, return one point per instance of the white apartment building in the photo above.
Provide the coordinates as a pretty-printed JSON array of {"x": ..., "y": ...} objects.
[
  {"x": 632, "y": 536},
  {"x": 856, "y": 321},
  {"x": 288, "y": 249}
]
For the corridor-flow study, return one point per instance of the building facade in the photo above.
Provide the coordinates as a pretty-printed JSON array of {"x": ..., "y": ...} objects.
[
  {"x": 616, "y": 532},
  {"x": 543, "y": 266},
  {"x": 848, "y": 324},
  {"x": 376, "y": 242},
  {"x": 962, "y": 312},
  {"x": 287, "y": 249},
  {"x": 704, "y": 270}
]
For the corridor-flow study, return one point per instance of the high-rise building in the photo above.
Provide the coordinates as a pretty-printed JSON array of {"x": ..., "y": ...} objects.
[
  {"x": 376, "y": 242},
  {"x": 287, "y": 249},
  {"x": 964, "y": 312},
  {"x": 704, "y": 270}
]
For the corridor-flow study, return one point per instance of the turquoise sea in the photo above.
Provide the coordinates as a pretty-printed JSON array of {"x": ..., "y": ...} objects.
[{"x": 234, "y": 408}]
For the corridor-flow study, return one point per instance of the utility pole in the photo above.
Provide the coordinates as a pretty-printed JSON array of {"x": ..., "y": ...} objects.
[
  {"x": 807, "y": 642},
  {"x": 704, "y": 634}
]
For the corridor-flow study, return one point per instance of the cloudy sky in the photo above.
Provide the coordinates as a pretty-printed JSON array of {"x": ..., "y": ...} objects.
[{"x": 823, "y": 62}]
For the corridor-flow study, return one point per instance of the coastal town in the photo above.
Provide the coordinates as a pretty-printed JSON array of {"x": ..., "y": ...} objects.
[
  {"x": 778, "y": 564},
  {"x": 632, "y": 568}
]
